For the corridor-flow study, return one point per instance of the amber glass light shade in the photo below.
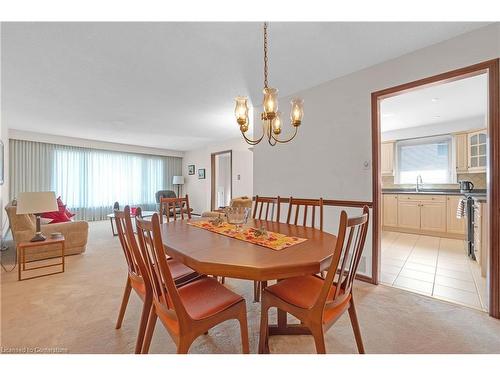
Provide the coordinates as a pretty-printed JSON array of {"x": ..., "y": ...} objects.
[
  {"x": 241, "y": 110},
  {"x": 297, "y": 111},
  {"x": 277, "y": 123},
  {"x": 270, "y": 102}
]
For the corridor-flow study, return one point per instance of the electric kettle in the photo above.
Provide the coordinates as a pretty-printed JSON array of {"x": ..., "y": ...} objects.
[{"x": 466, "y": 186}]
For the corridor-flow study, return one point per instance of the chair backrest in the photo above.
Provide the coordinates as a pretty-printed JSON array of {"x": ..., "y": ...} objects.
[
  {"x": 267, "y": 208},
  {"x": 346, "y": 256},
  {"x": 151, "y": 247},
  {"x": 306, "y": 204},
  {"x": 164, "y": 194},
  {"x": 173, "y": 206},
  {"x": 135, "y": 262}
]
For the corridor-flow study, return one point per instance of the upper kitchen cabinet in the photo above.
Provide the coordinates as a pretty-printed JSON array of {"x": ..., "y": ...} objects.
[
  {"x": 461, "y": 152},
  {"x": 387, "y": 158},
  {"x": 477, "y": 151}
]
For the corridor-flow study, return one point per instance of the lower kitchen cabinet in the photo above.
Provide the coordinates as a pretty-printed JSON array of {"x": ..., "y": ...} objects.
[
  {"x": 433, "y": 216},
  {"x": 453, "y": 224},
  {"x": 409, "y": 214},
  {"x": 390, "y": 210}
]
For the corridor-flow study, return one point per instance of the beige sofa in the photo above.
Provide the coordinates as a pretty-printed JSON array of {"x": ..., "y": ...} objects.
[
  {"x": 236, "y": 202},
  {"x": 23, "y": 229}
]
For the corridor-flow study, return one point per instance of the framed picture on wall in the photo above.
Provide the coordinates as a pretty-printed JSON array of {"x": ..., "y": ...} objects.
[
  {"x": 201, "y": 174},
  {"x": 191, "y": 169},
  {"x": 1, "y": 163}
]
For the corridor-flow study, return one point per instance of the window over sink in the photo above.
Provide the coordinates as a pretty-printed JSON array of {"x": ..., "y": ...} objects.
[{"x": 429, "y": 157}]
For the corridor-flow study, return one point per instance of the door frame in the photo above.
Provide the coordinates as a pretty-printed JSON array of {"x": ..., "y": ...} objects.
[
  {"x": 491, "y": 67},
  {"x": 212, "y": 175}
]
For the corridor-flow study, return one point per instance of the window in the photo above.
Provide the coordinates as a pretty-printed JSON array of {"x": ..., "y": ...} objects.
[{"x": 428, "y": 157}]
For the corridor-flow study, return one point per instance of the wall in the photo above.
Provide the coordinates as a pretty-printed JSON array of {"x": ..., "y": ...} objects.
[
  {"x": 4, "y": 189},
  {"x": 327, "y": 157},
  {"x": 199, "y": 190}
]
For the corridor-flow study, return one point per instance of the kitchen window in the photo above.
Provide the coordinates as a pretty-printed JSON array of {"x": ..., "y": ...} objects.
[{"x": 429, "y": 157}]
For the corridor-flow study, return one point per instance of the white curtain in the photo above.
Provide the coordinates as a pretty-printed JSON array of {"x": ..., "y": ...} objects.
[{"x": 88, "y": 180}]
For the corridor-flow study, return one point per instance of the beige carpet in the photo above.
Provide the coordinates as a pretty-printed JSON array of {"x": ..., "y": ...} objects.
[{"x": 75, "y": 312}]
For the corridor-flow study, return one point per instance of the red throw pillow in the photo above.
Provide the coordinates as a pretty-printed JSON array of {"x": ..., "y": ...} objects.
[
  {"x": 56, "y": 216},
  {"x": 66, "y": 211}
]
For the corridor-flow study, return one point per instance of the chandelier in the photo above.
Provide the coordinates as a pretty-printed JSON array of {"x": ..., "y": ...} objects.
[{"x": 271, "y": 117}]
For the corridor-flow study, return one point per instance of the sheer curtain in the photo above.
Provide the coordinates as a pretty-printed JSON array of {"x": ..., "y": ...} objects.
[{"x": 88, "y": 180}]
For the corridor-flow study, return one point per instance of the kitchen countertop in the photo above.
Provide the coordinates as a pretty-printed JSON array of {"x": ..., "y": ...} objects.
[{"x": 479, "y": 194}]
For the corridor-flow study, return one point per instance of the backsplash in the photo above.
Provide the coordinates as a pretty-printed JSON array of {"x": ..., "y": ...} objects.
[{"x": 478, "y": 179}]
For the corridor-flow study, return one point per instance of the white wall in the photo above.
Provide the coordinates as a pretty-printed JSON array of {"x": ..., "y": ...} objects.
[
  {"x": 326, "y": 159},
  {"x": 199, "y": 190},
  {"x": 4, "y": 191},
  {"x": 435, "y": 129}
]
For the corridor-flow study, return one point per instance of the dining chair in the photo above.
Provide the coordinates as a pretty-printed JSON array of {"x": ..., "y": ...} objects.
[
  {"x": 318, "y": 303},
  {"x": 137, "y": 276},
  {"x": 305, "y": 204},
  {"x": 265, "y": 208},
  {"x": 190, "y": 310},
  {"x": 174, "y": 206}
]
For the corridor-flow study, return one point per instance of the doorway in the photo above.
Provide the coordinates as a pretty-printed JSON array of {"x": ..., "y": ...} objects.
[
  {"x": 437, "y": 209},
  {"x": 222, "y": 179}
]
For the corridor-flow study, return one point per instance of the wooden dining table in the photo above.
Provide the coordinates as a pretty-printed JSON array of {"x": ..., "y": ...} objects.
[{"x": 211, "y": 253}]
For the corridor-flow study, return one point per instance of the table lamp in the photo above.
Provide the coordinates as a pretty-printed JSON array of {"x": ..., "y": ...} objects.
[
  {"x": 36, "y": 203},
  {"x": 179, "y": 181}
]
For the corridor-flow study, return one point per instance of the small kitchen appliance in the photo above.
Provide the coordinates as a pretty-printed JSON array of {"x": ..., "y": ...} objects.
[{"x": 466, "y": 186}]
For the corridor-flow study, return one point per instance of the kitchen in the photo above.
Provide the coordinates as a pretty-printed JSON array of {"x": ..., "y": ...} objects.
[{"x": 434, "y": 191}]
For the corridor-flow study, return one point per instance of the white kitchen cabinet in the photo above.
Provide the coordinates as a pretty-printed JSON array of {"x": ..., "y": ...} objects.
[
  {"x": 454, "y": 225},
  {"x": 477, "y": 154},
  {"x": 387, "y": 158},
  {"x": 433, "y": 216},
  {"x": 390, "y": 210},
  {"x": 461, "y": 152}
]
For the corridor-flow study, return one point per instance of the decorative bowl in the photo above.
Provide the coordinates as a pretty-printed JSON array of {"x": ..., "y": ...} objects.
[{"x": 237, "y": 216}]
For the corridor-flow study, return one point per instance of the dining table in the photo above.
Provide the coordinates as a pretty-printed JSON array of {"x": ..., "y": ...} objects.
[{"x": 210, "y": 253}]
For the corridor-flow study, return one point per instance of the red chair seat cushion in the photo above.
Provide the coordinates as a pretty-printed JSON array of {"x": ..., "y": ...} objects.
[
  {"x": 303, "y": 292},
  {"x": 206, "y": 297}
]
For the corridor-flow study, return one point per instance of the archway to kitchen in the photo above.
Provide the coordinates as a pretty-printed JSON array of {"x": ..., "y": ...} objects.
[{"x": 431, "y": 234}]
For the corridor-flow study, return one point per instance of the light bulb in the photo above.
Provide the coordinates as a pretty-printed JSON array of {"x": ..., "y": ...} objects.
[
  {"x": 270, "y": 102},
  {"x": 241, "y": 110},
  {"x": 277, "y": 123},
  {"x": 297, "y": 111}
]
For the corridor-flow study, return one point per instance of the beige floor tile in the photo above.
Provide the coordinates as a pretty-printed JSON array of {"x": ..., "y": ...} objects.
[
  {"x": 418, "y": 275},
  {"x": 461, "y": 267},
  {"x": 420, "y": 286},
  {"x": 387, "y": 268},
  {"x": 420, "y": 267},
  {"x": 467, "y": 276},
  {"x": 468, "y": 286},
  {"x": 427, "y": 260},
  {"x": 392, "y": 261},
  {"x": 387, "y": 278},
  {"x": 457, "y": 295}
]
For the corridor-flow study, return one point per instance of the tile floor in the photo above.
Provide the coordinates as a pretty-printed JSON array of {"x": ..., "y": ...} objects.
[{"x": 432, "y": 266}]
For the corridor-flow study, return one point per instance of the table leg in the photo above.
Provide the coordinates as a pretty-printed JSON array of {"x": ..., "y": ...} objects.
[
  {"x": 18, "y": 263},
  {"x": 284, "y": 328},
  {"x": 62, "y": 253}
]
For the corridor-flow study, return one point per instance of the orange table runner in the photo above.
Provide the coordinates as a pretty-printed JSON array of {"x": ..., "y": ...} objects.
[{"x": 274, "y": 241}]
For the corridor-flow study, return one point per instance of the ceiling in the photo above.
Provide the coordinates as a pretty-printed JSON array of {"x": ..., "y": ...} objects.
[
  {"x": 443, "y": 103},
  {"x": 172, "y": 85}
]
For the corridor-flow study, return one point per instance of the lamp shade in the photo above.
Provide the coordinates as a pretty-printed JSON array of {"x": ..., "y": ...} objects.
[
  {"x": 178, "y": 180},
  {"x": 36, "y": 202}
]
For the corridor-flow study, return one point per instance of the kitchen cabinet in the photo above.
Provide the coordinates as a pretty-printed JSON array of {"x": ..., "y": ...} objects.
[
  {"x": 390, "y": 210},
  {"x": 387, "y": 158},
  {"x": 409, "y": 214},
  {"x": 433, "y": 216},
  {"x": 477, "y": 156},
  {"x": 461, "y": 152},
  {"x": 454, "y": 225}
]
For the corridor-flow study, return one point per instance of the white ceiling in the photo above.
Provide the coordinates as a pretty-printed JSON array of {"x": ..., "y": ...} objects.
[
  {"x": 172, "y": 85},
  {"x": 447, "y": 102}
]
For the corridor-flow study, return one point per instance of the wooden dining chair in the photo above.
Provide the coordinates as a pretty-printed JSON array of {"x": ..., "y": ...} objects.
[
  {"x": 174, "y": 206},
  {"x": 306, "y": 205},
  {"x": 265, "y": 208},
  {"x": 318, "y": 303},
  {"x": 137, "y": 276},
  {"x": 190, "y": 310}
]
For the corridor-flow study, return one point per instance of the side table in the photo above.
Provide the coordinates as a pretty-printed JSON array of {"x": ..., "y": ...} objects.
[{"x": 21, "y": 257}]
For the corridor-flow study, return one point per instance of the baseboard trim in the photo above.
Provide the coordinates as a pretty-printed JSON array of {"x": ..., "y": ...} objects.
[{"x": 425, "y": 233}]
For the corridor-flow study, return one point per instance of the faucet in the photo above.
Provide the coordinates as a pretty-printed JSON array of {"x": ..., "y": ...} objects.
[{"x": 419, "y": 183}]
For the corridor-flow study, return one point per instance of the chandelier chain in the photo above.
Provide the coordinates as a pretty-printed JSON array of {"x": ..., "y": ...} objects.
[{"x": 265, "y": 55}]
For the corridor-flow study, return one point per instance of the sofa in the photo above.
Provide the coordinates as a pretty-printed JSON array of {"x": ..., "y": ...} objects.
[
  {"x": 23, "y": 229},
  {"x": 235, "y": 202}
]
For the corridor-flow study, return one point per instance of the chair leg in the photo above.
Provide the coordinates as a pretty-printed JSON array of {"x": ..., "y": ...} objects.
[
  {"x": 149, "y": 330},
  {"x": 244, "y": 329},
  {"x": 264, "y": 328},
  {"x": 355, "y": 328},
  {"x": 146, "y": 310},
  {"x": 183, "y": 346},
  {"x": 123, "y": 307},
  {"x": 319, "y": 339}
]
